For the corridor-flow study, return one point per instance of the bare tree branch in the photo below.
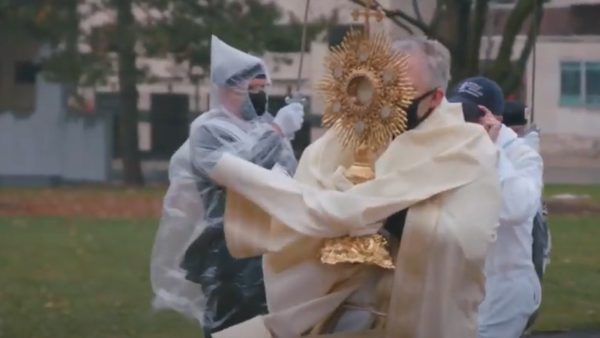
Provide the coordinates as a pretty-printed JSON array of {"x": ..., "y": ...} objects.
[
  {"x": 417, "y": 10},
  {"x": 478, "y": 24},
  {"x": 401, "y": 19},
  {"x": 512, "y": 28},
  {"x": 402, "y": 25},
  {"x": 513, "y": 79},
  {"x": 462, "y": 40},
  {"x": 395, "y": 20},
  {"x": 489, "y": 48},
  {"x": 440, "y": 8}
]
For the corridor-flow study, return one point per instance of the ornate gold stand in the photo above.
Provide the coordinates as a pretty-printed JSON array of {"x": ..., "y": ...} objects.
[
  {"x": 362, "y": 169},
  {"x": 369, "y": 249}
]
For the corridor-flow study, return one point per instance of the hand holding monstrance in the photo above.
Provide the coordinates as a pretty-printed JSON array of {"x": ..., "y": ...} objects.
[{"x": 366, "y": 92}]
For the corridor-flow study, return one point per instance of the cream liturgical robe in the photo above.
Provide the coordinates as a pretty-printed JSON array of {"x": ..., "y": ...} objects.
[{"x": 444, "y": 171}]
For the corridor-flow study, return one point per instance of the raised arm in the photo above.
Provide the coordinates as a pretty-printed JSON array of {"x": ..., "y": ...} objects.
[
  {"x": 532, "y": 139},
  {"x": 306, "y": 206},
  {"x": 261, "y": 144}
]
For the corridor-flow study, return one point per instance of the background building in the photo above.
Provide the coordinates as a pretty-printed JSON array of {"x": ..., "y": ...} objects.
[
  {"x": 562, "y": 82},
  {"x": 566, "y": 91}
]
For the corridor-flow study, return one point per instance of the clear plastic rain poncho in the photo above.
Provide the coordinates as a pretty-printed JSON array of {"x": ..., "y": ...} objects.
[{"x": 191, "y": 269}]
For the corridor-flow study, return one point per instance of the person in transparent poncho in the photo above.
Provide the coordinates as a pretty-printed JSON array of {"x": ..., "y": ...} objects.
[{"x": 192, "y": 270}]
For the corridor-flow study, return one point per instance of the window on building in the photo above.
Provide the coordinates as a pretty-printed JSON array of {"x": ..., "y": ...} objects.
[
  {"x": 26, "y": 73},
  {"x": 570, "y": 84},
  {"x": 580, "y": 84},
  {"x": 18, "y": 85},
  {"x": 18, "y": 75},
  {"x": 592, "y": 84},
  {"x": 24, "y": 86}
]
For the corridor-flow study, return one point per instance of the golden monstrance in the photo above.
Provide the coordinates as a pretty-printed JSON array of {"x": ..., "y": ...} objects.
[{"x": 366, "y": 92}]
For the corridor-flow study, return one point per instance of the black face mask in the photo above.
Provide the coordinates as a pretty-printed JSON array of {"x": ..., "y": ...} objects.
[
  {"x": 259, "y": 102},
  {"x": 412, "y": 117}
]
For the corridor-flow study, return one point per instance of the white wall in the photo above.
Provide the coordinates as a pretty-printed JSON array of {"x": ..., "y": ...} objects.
[
  {"x": 550, "y": 52},
  {"x": 549, "y": 115}
]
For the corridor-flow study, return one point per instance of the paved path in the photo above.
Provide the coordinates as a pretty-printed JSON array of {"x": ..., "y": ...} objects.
[
  {"x": 586, "y": 334},
  {"x": 570, "y": 169},
  {"x": 572, "y": 175}
]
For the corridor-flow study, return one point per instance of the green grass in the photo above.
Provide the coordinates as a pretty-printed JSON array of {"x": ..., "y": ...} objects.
[
  {"x": 571, "y": 288},
  {"x": 80, "y": 278},
  {"x": 593, "y": 191},
  {"x": 86, "y": 278}
]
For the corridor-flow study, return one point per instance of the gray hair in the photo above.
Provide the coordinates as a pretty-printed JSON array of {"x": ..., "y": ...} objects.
[{"x": 436, "y": 58}]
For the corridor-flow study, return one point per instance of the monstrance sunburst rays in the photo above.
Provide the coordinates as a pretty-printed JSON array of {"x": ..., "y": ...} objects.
[{"x": 366, "y": 91}]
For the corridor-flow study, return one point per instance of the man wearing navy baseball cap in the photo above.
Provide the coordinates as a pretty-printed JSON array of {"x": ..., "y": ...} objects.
[
  {"x": 513, "y": 290},
  {"x": 482, "y": 92}
]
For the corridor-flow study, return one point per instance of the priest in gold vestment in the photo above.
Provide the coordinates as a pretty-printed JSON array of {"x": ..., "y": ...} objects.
[{"x": 435, "y": 195}]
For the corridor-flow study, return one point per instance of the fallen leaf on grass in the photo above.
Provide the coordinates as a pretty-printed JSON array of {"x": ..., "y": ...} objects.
[
  {"x": 74, "y": 203},
  {"x": 19, "y": 223},
  {"x": 57, "y": 304}
]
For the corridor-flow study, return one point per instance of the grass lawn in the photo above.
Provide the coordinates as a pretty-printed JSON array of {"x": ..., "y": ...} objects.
[
  {"x": 73, "y": 277},
  {"x": 80, "y": 278},
  {"x": 593, "y": 191},
  {"x": 571, "y": 292}
]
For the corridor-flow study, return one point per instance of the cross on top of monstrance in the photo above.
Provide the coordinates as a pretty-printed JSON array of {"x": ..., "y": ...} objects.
[
  {"x": 378, "y": 14},
  {"x": 366, "y": 93}
]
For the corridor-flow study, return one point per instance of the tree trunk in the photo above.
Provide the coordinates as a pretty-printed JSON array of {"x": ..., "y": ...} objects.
[
  {"x": 128, "y": 121},
  {"x": 513, "y": 79},
  {"x": 514, "y": 23},
  {"x": 452, "y": 25},
  {"x": 479, "y": 18}
]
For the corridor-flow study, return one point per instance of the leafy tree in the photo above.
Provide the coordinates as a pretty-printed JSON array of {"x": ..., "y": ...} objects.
[
  {"x": 249, "y": 25},
  {"x": 23, "y": 19},
  {"x": 82, "y": 56},
  {"x": 178, "y": 29},
  {"x": 460, "y": 25}
]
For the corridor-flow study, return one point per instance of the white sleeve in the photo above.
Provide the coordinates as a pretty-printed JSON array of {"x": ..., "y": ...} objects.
[
  {"x": 520, "y": 178},
  {"x": 533, "y": 140},
  {"x": 261, "y": 145}
]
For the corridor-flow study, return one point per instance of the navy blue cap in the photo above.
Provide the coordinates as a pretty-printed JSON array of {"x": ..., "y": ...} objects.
[{"x": 480, "y": 91}]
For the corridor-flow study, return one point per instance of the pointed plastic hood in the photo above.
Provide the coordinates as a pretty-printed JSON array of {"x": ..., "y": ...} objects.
[{"x": 227, "y": 62}]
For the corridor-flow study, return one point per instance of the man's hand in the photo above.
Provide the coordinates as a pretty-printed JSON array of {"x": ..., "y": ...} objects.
[
  {"x": 289, "y": 119},
  {"x": 533, "y": 128},
  {"x": 491, "y": 124}
]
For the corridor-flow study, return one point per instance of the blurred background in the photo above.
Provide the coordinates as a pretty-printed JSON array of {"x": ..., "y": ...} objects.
[{"x": 96, "y": 95}]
